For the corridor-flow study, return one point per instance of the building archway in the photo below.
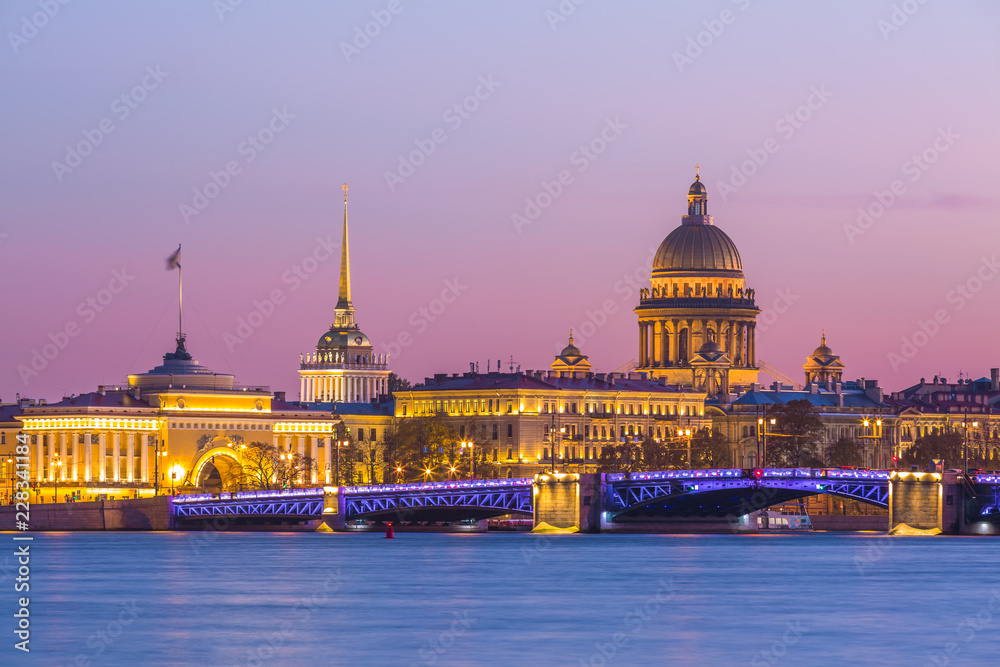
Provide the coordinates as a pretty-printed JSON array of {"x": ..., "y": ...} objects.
[{"x": 211, "y": 470}]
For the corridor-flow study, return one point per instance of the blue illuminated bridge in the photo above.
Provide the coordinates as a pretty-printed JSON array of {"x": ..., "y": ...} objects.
[{"x": 723, "y": 492}]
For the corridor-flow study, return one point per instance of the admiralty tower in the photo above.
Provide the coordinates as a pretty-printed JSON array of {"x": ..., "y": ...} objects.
[
  {"x": 344, "y": 368},
  {"x": 697, "y": 320}
]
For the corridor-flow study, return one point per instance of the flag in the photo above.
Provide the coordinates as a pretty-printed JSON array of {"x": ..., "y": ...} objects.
[{"x": 174, "y": 261}]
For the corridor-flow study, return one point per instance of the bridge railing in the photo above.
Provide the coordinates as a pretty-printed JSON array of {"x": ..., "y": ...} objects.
[
  {"x": 767, "y": 473},
  {"x": 476, "y": 484},
  {"x": 249, "y": 495}
]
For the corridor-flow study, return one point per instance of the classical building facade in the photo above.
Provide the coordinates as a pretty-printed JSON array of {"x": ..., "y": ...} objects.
[
  {"x": 344, "y": 368},
  {"x": 854, "y": 410},
  {"x": 520, "y": 419},
  {"x": 697, "y": 320},
  {"x": 167, "y": 428}
]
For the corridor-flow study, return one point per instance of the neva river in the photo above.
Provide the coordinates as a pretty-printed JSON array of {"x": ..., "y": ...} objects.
[{"x": 508, "y": 599}]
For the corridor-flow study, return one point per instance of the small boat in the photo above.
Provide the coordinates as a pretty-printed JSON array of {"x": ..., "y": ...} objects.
[{"x": 783, "y": 521}]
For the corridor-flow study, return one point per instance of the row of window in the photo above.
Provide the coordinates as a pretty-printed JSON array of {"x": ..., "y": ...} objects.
[{"x": 496, "y": 406}]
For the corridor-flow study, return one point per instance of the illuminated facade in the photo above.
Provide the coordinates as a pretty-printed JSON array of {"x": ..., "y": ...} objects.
[
  {"x": 172, "y": 424},
  {"x": 344, "y": 368},
  {"x": 697, "y": 319},
  {"x": 517, "y": 418}
]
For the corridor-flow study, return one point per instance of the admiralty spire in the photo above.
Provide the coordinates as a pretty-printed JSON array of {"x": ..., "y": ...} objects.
[{"x": 344, "y": 368}]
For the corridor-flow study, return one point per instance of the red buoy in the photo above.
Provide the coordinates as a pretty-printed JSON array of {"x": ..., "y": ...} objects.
[{"x": 388, "y": 532}]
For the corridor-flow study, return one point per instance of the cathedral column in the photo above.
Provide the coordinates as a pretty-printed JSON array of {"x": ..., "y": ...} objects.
[
  {"x": 729, "y": 342},
  {"x": 739, "y": 345},
  {"x": 144, "y": 457},
  {"x": 40, "y": 456},
  {"x": 302, "y": 454},
  {"x": 74, "y": 440},
  {"x": 302, "y": 388},
  {"x": 116, "y": 450},
  {"x": 51, "y": 455},
  {"x": 130, "y": 462},
  {"x": 62, "y": 457},
  {"x": 675, "y": 351},
  {"x": 87, "y": 435},
  {"x": 102, "y": 455},
  {"x": 642, "y": 344},
  {"x": 752, "y": 357},
  {"x": 314, "y": 450},
  {"x": 657, "y": 344},
  {"x": 327, "y": 444}
]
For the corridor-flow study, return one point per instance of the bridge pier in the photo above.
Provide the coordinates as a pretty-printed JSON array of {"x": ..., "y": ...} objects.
[
  {"x": 929, "y": 500},
  {"x": 568, "y": 501},
  {"x": 334, "y": 508}
]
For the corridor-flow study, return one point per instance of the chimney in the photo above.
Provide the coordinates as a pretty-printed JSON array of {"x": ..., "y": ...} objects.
[
  {"x": 101, "y": 389},
  {"x": 995, "y": 379},
  {"x": 279, "y": 396}
]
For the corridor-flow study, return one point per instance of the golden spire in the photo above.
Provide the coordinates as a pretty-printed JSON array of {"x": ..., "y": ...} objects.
[
  {"x": 344, "y": 299},
  {"x": 697, "y": 172},
  {"x": 823, "y": 341}
]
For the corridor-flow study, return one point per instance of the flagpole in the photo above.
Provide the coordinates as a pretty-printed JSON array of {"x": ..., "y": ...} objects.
[{"x": 180, "y": 297}]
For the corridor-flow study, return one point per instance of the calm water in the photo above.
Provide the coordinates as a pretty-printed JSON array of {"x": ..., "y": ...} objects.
[{"x": 509, "y": 599}]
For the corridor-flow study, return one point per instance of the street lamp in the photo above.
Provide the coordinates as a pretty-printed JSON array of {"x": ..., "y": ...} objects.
[
  {"x": 687, "y": 434},
  {"x": 399, "y": 475},
  {"x": 965, "y": 446},
  {"x": 176, "y": 472},
  {"x": 472, "y": 455},
  {"x": 56, "y": 464},
  {"x": 156, "y": 465},
  {"x": 346, "y": 442}
]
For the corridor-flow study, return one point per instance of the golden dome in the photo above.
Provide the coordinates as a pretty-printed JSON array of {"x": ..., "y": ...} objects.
[{"x": 697, "y": 247}]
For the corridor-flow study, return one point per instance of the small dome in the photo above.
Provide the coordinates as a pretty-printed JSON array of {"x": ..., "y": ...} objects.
[
  {"x": 823, "y": 350},
  {"x": 570, "y": 351},
  {"x": 341, "y": 338},
  {"x": 697, "y": 188},
  {"x": 710, "y": 347}
]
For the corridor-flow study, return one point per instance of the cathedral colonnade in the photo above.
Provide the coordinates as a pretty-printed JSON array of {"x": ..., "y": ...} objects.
[
  {"x": 673, "y": 341},
  {"x": 92, "y": 454}
]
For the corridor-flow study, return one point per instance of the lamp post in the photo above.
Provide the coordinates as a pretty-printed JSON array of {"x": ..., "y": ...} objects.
[
  {"x": 56, "y": 464},
  {"x": 965, "y": 446},
  {"x": 472, "y": 456},
  {"x": 687, "y": 434},
  {"x": 346, "y": 433},
  {"x": 156, "y": 465},
  {"x": 176, "y": 472}
]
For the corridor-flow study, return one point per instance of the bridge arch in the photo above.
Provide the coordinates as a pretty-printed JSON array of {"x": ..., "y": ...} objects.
[{"x": 205, "y": 464}]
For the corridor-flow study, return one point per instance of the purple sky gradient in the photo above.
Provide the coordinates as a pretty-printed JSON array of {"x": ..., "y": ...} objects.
[{"x": 61, "y": 240}]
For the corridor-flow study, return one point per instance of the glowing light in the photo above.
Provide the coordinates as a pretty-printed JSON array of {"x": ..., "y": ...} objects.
[{"x": 176, "y": 471}]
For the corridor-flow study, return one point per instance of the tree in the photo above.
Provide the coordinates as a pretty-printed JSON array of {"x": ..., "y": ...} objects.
[
  {"x": 948, "y": 446},
  {"x": 264, "y": 467},
  {"x": 845, "y": 452},
  {"x": 419, "y": 444},
  {"x": 711, "y": 449},
  {"x": 791, "y": 441},
  {"x": 397, "y": 383}
]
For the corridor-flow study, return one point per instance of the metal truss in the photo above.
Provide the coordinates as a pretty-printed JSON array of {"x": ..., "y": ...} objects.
[
  {"x": 273, "y": 506},
  {"x": 516, "y": 499}
]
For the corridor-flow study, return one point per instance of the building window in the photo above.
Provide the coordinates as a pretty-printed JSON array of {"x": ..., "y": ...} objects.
[
  {"x": 566, "y": 453},
  {"x": 491, "y": 405},
  {"x": 586, "y": 431},
  {"x": 545, "y": 430},
  {"x": 545, "y": 453},
  {"x": 510, "y": 453},
  {"x": 510, "y": 407},
  {"x": 371, "y": 434},
  {"x": 574, "y": 408},
  {"x": 404, "y": 410},
  {"x": 496, "y": 431},
  {"x": 586, "y": 452},
  {"x": 510, "y": 430},
  {"x": 604, "y": 433},
  {"x": 494, "y": 453}
]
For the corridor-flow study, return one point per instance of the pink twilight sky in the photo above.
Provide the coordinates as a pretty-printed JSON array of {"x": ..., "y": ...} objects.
[{"x": 883, "y": 86}]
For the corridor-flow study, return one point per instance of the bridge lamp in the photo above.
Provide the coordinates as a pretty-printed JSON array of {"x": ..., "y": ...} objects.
[{"x": 176, "y": 472}]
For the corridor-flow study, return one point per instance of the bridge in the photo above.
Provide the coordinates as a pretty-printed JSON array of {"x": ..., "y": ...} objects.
[{"x": 606, "y": 501}]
